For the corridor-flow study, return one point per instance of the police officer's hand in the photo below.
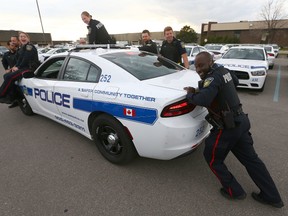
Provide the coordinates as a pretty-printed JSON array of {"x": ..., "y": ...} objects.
[{"x": 190, "y": 89}]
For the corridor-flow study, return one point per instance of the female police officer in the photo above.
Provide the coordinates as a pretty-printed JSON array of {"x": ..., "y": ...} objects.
[
  {"x": 27, "y": 62},
  {"x": 230, "y": 132},
  {"x": 97, "y": 33}
]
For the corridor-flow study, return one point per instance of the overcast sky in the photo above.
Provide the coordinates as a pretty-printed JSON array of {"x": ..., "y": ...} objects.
[{"x": 62, "y": 18}]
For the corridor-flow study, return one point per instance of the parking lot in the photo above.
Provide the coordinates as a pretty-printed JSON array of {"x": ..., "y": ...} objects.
[{"x": 48, "y": 169}]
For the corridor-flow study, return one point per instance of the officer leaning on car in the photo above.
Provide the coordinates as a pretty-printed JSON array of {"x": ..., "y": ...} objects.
[
  {"x": 27, "y": 62},
  {"x": 230, "y": 132}
]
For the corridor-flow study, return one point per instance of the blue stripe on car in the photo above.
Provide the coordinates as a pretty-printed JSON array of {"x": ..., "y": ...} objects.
[{"x": 142, "y": 114}]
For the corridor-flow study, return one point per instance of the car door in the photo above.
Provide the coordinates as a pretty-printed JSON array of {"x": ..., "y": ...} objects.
[
  {"x": 42, "y": 97},
  {"x": 78, "y": 81}
]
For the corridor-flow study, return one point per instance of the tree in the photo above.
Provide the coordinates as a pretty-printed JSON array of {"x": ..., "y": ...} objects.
[
  {"x": 187, "y": 35},
  {"x": 272, "y": 13}
]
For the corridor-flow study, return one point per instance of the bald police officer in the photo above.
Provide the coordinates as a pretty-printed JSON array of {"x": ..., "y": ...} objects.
[{"x": 230, "y": 132}]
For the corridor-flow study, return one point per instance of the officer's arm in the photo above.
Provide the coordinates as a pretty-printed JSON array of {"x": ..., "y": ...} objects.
[
  {"x": 205, "y": 96},
  {"x": 185, "y": 60},
  {"x": 5, "y": 62}
]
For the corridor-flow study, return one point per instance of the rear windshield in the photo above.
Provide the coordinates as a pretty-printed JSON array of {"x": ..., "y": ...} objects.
[{"x": 143, "y": 65}]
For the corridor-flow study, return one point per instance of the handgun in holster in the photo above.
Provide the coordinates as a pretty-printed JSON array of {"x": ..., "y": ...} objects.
[{"x": 218, "y": 124}]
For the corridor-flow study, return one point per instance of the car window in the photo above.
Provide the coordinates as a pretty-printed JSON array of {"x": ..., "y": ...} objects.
[
  {"x": 188, "y": 50},
  {"x": 143, "y": 65},
  {"x": 245, "y": 53},
  {"x": 202, "y": 49},
  {"x": 195, "y": 51},
  {"x": 50, "y": 69},
  {"x": 80, "y": 70}
]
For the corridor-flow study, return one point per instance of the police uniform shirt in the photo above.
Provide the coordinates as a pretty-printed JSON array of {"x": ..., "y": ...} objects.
[
  {"x": 149, "y": 46},
  {"x": 217, "y": 90},
  {"x": 28, "y": 57},
  {"x": 9, "y": 60},
  {"x": 173, "y": 50},
  {"x": 97, "y": 33}
]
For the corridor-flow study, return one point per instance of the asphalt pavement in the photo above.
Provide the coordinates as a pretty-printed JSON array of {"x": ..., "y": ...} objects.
[{"x": 48, "y": 169}]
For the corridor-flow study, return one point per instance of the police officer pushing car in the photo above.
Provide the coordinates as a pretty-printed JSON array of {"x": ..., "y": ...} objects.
[{"x": 230, "y": 132}]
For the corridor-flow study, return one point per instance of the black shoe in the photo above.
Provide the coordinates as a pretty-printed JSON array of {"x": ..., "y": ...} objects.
[
  {"x": 5, "y": 100},
  {"x": 258, "y": 198},
  {"x": 14, "y": 104},
  {"x": 227, "y": 195}
]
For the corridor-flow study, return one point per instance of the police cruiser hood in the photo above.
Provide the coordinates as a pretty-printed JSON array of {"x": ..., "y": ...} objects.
[
  {"x": 236, "y": 64},
  {"x": 176, "y": 81}
]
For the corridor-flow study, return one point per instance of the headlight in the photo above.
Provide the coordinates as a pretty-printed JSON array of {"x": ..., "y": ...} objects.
[{"x": 258, "y": 73}]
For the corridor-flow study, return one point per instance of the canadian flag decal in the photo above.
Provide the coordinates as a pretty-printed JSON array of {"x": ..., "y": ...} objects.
[{"x": 129, "y": 112}]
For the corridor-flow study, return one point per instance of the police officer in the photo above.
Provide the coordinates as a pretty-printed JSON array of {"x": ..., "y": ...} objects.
[
  {"x": 9, "y": 58},
  {"x": 148, "y": 44},
  {"x": 173, "y": 48},
  {"x": 27, "y": 62},
  {"x": 230, "y": 132},
  {"x": 97, "y": 33}
]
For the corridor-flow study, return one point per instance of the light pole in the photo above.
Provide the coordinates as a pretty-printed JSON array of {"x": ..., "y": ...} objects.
[{"x": 41, "y": 21}]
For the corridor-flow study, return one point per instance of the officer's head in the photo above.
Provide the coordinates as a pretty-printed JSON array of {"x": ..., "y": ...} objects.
[
  {"x": 145, "y": 35},
  {"x": 23, "y": 38},
  {"x": 15, "y": 40},
  {"x": 86, "y": 17},
  {"x": 168, "y": 34},
  {"x": 203, "y": 63},
  {"x": 11, "y": 46}
]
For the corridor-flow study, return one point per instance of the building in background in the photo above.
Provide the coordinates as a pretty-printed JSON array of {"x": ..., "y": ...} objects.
[
  {"x": 246, "y": 32},
  {"x": 35, "y": 38}
]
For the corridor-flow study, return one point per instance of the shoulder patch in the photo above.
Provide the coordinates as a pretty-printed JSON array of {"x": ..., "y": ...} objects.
[
  {"x": 29, "y": 47},
  {"x": 208, "y": 81}
]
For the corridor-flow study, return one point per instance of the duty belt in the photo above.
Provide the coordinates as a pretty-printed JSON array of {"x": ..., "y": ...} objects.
[{"x": 238, "y": 111}]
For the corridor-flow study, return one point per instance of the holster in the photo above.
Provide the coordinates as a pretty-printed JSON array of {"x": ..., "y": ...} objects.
[{"x": 216, "y": 123}]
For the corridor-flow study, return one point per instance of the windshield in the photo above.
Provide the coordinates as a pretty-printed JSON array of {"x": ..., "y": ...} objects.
[
  {"x": 213, "y": 47},
  {"x": 143, "y": 65},
  {"x": 245, "y": 53}
]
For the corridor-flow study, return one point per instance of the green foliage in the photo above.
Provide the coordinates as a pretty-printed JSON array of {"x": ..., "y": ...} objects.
[{"x": 187, "y": 35}]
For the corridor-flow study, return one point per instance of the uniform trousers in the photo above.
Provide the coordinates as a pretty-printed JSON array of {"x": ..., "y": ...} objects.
[
  {"x": 239, "y": 141},
  {"x": 8, "y": 87}
]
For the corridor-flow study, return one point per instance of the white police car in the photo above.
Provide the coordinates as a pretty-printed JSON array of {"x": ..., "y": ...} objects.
[
  {"x": 129, "y": 102},
  {"x": 249, "y": 63}
]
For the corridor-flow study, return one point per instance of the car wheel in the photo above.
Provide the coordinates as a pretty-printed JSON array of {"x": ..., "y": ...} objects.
[
  {"x": 25, "y": 107},
  {"x": 112, "y": 140}
]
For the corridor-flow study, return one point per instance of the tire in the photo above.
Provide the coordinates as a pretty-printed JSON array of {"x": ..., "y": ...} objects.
[
  {"x": 112, "y": 140},
  {"x": 24, "y": 106}
]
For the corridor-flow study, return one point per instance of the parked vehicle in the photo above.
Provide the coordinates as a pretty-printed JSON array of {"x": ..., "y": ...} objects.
[
  {"x": 249, "y": 63},
  {"x": 129, "y": 102}
]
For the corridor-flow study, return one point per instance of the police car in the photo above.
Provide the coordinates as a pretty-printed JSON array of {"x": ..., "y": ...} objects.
[
  {"x": 129, "y": 102},
  {"x": 192, "y": 51},
  {"x": 249, "y": 63}
]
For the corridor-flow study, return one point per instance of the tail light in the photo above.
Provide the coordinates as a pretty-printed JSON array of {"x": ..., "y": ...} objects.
[
  {"x": 176, "y": 109},
  {"x": 270, "y": 54}
]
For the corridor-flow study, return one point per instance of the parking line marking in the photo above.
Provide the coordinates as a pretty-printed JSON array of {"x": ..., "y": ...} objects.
[{"x": 277, "y": 87}]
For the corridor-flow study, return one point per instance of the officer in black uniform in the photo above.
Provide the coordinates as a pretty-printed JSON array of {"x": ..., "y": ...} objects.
[
  {"x": 97, "y": 33},
  {"x": 230, "y": 132},
  {"x": 9, "y": 57},
  {"x": 173, "y": 48},
  {"x": 148, "y": 44},
  {"x": 27, "y": 63}
]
